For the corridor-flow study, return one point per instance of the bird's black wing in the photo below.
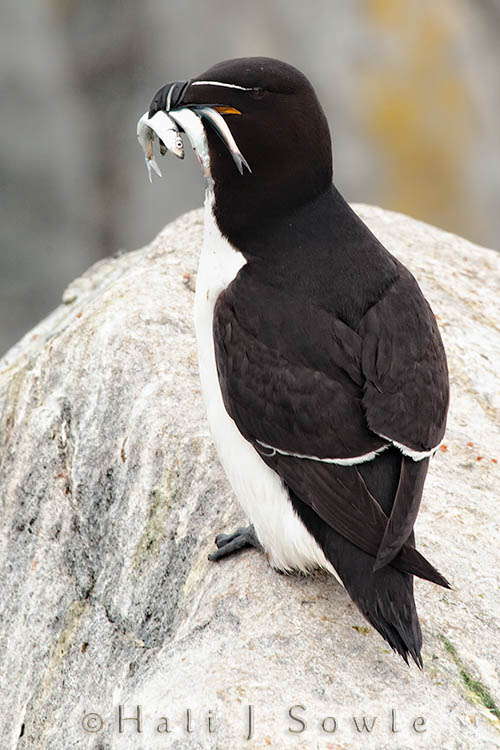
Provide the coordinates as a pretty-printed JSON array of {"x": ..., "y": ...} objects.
[
  {"x": 296, "y": 392},
  {"x": 295, "y": 386},
  {"x": 404, "y": 368},
  {"x": 405, "y": 393}
]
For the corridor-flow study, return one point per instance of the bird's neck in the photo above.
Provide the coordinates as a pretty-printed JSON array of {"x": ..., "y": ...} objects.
[
  {"x": 320, "y": 251},
  {"x": 248, "y": 204}
]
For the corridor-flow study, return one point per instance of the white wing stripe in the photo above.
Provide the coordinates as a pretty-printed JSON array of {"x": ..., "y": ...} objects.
[
  {"x": 416, "y": 455},
  {"x": 341, "y": 461}
]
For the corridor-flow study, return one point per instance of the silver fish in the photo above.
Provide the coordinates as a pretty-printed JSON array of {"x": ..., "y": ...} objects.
[
  {"x": 189, "y": 119},
  {"x": 191, "y": 123},
  {"x": 145, "y": 136},
  {"x": 168, "y": 132},
  {"x": 163, "y": 127},
  {"x": 222, "y": 128}
]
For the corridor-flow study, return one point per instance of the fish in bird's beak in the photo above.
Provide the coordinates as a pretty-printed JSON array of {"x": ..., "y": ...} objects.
[
  {"x": 212, "y": 114},
  {"x": 167, "y": 112},
  {"x": 164, "y": 127}
]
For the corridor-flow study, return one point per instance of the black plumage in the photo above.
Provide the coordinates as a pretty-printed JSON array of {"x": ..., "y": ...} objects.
[
  {"x": 328, "y": 356},
  {"x": 317, "y": 374}
]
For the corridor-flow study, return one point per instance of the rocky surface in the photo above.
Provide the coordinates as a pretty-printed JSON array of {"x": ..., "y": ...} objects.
[{"x": 110, "y": 499}]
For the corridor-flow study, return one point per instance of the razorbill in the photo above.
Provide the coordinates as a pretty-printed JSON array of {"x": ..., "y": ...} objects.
[{"x": 321, "y": 363}]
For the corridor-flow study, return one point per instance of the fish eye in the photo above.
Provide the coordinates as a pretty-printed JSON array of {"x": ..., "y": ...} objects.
[
  {"x": 179, "y": 143},
  {"x": 258, "y": 92}
]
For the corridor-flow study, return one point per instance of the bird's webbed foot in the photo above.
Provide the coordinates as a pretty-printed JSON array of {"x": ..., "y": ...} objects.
[{"x": 245, "y": 536}]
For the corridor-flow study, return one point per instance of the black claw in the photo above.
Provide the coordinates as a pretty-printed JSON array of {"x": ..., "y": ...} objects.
[
  {"x": 245, "y": 536},
  {"x": 222, "y": 539}
]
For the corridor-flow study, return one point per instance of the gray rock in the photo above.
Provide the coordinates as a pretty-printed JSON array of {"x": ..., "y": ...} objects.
[{"x": 111, "y": 496}]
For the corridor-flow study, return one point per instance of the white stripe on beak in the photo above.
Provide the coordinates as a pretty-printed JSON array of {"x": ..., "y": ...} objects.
[{"x": 217, "y": 83}]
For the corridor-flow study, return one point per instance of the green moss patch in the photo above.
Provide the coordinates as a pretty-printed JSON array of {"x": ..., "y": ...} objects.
[
  {"x": 477, "y": 690},
  {"x": 162, "y": 500},
  {"x": 361, "y": 629}
]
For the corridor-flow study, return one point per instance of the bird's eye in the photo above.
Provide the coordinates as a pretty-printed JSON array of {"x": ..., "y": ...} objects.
[{"x": 258, "y": 92}]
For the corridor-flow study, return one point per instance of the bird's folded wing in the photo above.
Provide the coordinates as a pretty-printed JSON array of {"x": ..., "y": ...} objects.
[
  {"x": 405, "y": 394},
  {"x": 297, "y": 387},
  {"x": 404, "y": 367},
  {"x": 303, "y": 397}
]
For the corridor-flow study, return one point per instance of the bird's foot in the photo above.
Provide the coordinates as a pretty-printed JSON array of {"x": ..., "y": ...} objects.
[{"x": 245, "y": 536}]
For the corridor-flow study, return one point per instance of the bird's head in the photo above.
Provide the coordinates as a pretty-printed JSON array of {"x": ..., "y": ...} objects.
[{"x": 279, "y": 127}]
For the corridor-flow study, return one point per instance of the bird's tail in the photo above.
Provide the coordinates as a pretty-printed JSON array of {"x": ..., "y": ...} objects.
[
  {"x": 364, "y": 495},
  {"x": 384, "y": 596}
]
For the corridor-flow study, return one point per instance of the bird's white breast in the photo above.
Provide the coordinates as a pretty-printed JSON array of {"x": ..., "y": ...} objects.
[{"x": 258, "y": 488}]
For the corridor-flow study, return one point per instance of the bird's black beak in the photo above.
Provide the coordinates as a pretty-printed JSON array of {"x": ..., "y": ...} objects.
[
  {"x": 171, "y": 96},
  {"x": 168, "y": 97}
]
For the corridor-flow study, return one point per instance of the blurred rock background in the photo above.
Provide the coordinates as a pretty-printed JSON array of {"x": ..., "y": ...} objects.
[{"x": 410, "y": 87}]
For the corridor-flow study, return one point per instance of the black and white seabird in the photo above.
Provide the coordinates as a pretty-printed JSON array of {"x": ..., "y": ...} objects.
[{"x": 322, "y": 367}]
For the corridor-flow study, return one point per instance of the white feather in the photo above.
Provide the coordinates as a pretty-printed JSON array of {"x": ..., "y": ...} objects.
[{"x": 258, "y": 488}]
